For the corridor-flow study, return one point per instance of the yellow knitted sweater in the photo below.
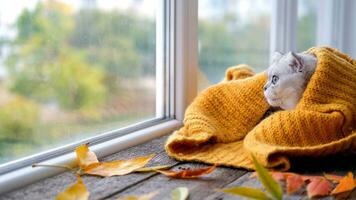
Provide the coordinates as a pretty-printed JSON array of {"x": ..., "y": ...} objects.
[{"x": 224, "y": 125}]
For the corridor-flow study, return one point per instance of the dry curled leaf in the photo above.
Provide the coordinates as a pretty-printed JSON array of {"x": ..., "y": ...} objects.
[
  {"x": 118, "y": 167},
  {"x": 346, "y": 184},
  {"x": 294, "y": 183},
  {"x": 188, "y": 173},
  {"x": 78, "y": 191},
  {"x": 85, "y": 157},
  {"x": 142, "y": 197},
  {"x": 318, "y": 186}
]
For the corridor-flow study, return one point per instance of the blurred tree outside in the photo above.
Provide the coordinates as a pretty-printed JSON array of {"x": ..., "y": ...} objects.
[
  {"x": 222, "y": 43},
  {"x": 69, "y": 74},
  {"x": 44, "y": 67}
]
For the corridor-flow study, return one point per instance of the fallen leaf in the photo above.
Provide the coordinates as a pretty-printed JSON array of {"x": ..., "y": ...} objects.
[
  {"x": 188, "y": 173},
  {"x": 346, "y": 184},
  {"x": 318, "y": 186},
  {"x": 154, "y": 168},
  {"x": 85, "y": 157},
  {"x": 142, "y": 197},
  {"x": 78, "y": 191},
  {"x": 118, "y": 167},
  {"x": 294, "y": 183},
  {"x": 180, "y": 193},
  {"x": 247, "y": 192},
  {"x": 279, "y": 176},
  {"x": 333, "y": 178},
  {"x": 267, "y": 180}
]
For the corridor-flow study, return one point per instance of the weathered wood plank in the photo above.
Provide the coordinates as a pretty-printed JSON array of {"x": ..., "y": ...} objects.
[
  {"x": 198, "y": 188},
  {"x": 98, "y": 187}
]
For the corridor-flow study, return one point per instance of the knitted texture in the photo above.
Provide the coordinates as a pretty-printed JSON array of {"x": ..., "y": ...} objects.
[{"x": 224, "y": 123}]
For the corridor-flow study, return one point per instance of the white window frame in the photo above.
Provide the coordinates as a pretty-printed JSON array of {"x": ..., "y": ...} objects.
[{"x": 180, "y": 72}]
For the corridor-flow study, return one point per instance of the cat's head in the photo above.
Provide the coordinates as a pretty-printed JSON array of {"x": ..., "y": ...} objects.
[{"x": 288, "y": 76}]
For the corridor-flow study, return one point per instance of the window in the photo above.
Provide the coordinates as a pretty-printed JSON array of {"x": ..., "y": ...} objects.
[
  {"x": 71, "y": 70},
  {"x": 232, "y": 32}
]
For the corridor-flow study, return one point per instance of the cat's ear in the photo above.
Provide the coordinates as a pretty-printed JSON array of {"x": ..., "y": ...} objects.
[
  {"x": 297, "y": 62},
  {"x": 276, "y": 55}
]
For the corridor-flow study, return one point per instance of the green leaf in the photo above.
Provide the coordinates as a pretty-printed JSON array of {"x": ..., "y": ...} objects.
[
  {"x": 180, "y": 193},
  {"x": 154, "y": 168},
  {"x": 267, "y": 180},
  {"x": 248, "y": 192}
]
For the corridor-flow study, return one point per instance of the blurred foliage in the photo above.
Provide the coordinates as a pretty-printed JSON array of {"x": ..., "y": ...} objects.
[
  {"x": 224, "y": 43},
  {"x": 42, "y": 65},
  {"x": 72, "y": 63},
  {"x": 77, "y": 86},
  {"x": 75, "y": 59},
  {"x": 18, "y": 119}
]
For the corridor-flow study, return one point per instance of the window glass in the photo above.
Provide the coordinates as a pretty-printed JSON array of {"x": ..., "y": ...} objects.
[
  {"x": 71, "y": 69},
  {"x": 232, "y": 32},
  {"x": 307, "y": 24}
]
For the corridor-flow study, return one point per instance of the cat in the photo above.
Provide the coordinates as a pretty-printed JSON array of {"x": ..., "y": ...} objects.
[{"x": 288, "y": 76}]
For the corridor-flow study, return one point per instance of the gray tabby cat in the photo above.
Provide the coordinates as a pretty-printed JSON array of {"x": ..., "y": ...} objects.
[{"x": 288, "y": 76}]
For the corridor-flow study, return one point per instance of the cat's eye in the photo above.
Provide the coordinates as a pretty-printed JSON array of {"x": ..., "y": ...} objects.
[{"x": 274, "y": 79}]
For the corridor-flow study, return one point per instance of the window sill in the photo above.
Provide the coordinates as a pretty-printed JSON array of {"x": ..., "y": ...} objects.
[{"x": 27, "y": 175}]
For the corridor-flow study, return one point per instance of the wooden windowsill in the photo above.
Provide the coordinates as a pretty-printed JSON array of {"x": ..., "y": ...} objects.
[{"x": 142, "y": 183}]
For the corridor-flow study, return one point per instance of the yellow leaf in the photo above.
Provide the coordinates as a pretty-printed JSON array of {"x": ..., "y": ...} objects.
[
  {"x": 78, "y": 191},
  {"x": 251, "y": 193},
  {"x": 180, "y": 193},
  {"x": 118, "y": 167},
  {"x": 154, "y": 168},
  {"x": 346, "y": 184},
  {"x": 267, "y": 180},
  {"x": 85, "y": 157},
  {"x": 142, "y": 197}
]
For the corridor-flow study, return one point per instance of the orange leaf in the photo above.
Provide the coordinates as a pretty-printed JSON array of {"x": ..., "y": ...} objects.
[
  {"x": 78, "y": 191},
  {"x": 279, "y": 176},
  {"x": 84, "y": 156},
  {"x": 333, "y": 178},
  {"x": 188, "y": 173},
  {"x": 294, "y": 183},
  {"x": 346, "y": 184},
  {"x": 118, "y": 167},
  {"x": 318, "y": 186}
]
